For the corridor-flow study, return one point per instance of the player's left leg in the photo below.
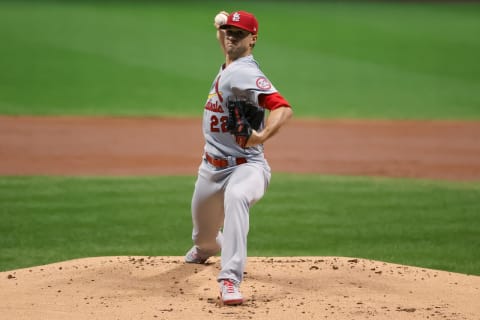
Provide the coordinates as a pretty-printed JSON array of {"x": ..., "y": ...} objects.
[{"x": 246, "y": 186}]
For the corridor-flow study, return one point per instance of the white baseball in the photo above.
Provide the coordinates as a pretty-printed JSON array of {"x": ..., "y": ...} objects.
[{"x": 221, "y": 19}]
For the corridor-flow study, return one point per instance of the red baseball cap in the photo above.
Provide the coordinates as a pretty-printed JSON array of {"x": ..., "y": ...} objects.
[{"x": 242, "y": 20}]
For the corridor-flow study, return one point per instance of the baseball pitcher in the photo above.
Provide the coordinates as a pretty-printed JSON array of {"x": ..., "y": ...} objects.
[{"x": 234, "y": 173}]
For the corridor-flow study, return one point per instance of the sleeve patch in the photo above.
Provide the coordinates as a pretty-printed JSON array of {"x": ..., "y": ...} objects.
[{"x": 263, "y": 83}]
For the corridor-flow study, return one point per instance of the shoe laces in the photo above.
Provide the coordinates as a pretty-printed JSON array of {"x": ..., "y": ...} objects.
[{"x": 229, "y": 285}]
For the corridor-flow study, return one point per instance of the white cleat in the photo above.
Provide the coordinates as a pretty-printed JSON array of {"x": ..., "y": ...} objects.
[
  {"x": 192, "y": 256},
  {"x": 230, "y": 292}
]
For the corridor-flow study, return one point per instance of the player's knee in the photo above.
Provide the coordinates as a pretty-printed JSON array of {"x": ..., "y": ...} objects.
[
  {"x": 236, "y": 195},
  {"x": 240, "y": 198}
]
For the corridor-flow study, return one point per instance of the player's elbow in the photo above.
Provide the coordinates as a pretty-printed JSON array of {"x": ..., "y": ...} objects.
[{"x": 288, "y": 113}]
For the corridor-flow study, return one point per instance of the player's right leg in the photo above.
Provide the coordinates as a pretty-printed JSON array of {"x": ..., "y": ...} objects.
[{"x": 207, "y": 219}]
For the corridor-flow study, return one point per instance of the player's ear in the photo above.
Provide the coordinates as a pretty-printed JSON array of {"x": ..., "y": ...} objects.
[{"x": 254, "y": 40}]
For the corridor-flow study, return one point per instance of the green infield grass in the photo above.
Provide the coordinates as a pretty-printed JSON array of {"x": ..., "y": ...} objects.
[
  {"x": 329, "y": 59},
  {"x": 414, "y": 222}
]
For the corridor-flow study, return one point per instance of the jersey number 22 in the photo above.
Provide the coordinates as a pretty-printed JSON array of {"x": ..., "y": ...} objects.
[{"x": 217, "y": 125}]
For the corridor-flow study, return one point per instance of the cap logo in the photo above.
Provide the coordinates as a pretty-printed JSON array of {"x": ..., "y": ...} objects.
[{"x": 236, "y": 17}]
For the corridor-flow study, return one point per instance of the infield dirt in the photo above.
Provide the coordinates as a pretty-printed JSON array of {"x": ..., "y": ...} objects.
[
  {"x": 151, "y": 146},
  {"x": 275, "y": 288}
]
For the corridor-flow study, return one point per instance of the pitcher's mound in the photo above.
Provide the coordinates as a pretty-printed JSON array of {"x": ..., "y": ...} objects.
[{"x": 275, "y": 288}]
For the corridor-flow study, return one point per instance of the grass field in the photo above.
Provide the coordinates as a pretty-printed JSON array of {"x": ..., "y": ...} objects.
[
  {"x": 330, "y": 59},
  {"x": 429, "y": 224},
  {"x": 347, "y": 60}
]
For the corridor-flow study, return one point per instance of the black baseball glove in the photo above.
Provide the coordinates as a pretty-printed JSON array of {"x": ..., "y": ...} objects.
[{"x": 243, "y": 117}]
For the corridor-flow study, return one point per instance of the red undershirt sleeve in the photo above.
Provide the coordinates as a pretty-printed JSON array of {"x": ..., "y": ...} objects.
[{"x": 272, "y": 101}]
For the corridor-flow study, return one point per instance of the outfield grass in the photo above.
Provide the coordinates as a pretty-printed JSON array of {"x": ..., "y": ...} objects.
[
  {"x": 335, "y": 60},
  {"x": 422, "y": 223}
]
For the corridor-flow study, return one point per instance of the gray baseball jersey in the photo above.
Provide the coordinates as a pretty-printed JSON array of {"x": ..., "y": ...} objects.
[{"x": 243, "y": 78}]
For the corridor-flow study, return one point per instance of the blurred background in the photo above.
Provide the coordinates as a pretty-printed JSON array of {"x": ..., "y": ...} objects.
[{"x": 336, "y": 59}]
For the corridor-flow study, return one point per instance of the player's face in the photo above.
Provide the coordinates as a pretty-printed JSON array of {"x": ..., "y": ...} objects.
[{"x": 238, "y": 42}]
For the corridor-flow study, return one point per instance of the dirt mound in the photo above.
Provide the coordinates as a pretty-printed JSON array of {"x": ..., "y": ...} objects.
[{"x": 275, "y": 288}]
